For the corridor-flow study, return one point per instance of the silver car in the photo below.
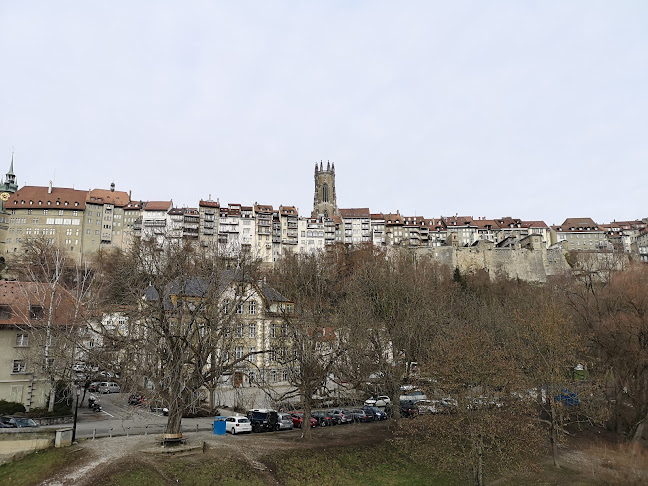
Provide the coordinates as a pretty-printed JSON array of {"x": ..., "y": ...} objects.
[
  {"x": 285, "y": 421},
  {"x": 108, "y": 387}
]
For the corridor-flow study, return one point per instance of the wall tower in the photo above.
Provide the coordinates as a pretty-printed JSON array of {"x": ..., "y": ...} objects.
[{"x": 324, "y": 202}]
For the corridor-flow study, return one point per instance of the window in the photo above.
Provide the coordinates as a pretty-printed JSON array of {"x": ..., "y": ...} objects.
[
  {"x": 252, "y": 356},
  {"x": 238, "y": 351},
  {"x": 239, "y": 308},
  {"x": 19, "y": 366},
  {"x": 239, "y": 331},
  {"x": 252, "y": 376},
  {"x": 252, "y": 307},
  {"x": 226, "y": 306},
  {"x": 5, "y": 311},
  {"x": 36, "y": 312},
  {"x": 252, "y": 329},
  {"x": 274, "y": 330},
  {"x": 22, "y": 339}
]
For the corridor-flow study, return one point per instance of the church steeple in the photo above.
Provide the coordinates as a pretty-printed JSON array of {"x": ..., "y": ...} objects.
[
  {"x": 9, "y": 186},
  {"x": 324, "y": 200},
  {"x": 10, "y": 182}
]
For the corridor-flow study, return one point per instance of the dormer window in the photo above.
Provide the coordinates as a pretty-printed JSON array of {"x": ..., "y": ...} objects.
[
  {"x": 36, "y": 312},
  {"x": 5, "y": 311}
]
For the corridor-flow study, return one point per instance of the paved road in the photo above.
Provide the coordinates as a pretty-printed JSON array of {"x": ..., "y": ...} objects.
[{"x": 119, "y": 418}]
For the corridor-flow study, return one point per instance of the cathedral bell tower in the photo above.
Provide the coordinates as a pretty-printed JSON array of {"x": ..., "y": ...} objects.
[{"x": 324, "y": 202}]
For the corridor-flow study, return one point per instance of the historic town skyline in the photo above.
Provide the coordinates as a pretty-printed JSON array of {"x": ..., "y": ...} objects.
[{"x": 535, "y": 111}]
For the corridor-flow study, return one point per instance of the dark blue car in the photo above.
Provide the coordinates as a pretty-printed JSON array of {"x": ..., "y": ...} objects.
[{"x": 567, "y": 398}]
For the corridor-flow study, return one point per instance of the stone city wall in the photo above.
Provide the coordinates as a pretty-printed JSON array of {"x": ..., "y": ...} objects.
[{"x": 531, "y": 265}]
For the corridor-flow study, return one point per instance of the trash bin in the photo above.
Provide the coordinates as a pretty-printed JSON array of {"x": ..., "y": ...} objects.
[{"x": 219, "y": 425}]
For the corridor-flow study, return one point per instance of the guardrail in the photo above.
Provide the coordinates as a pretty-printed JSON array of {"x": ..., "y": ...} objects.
[{"x": 102, "y": 432}]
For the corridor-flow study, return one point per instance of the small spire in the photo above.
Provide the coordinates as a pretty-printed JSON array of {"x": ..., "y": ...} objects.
[
  {"x": 11, "y": 169},
  {"x": 316, "y": 167},
  {"x": 328, "y": 165},
  {"x": 321, "y": 167}
]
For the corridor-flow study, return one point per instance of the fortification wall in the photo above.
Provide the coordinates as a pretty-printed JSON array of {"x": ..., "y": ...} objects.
[{"x": 531, "y": 265}]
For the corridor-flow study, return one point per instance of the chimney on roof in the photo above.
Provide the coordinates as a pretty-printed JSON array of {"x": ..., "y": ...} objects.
[
  {"x": 112, "y": 187},
  {"x": 49, "y": 189}
]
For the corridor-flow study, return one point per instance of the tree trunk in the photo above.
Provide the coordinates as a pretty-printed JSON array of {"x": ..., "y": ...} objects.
[
  {"x": 52, "y": 397},
  {"x": 553, "y": 411},
  {"x": 478, "y": 461},
  {"x": 175, "y": 418},
  {"x": 636, "y": 434},
  {"x": 307, "y": 432}
]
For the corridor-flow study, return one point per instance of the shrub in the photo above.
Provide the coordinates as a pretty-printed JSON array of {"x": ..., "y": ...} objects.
[{"x": 10, "y": 408}]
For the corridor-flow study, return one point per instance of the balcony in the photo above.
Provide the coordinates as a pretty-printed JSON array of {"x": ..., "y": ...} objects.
[{"x": 154, "y": 223}]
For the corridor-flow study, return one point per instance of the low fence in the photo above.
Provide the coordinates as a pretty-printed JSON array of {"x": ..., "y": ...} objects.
[{"x": 101, "y": 432}]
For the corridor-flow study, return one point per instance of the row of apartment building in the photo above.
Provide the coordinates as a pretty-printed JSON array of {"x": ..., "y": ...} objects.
[{"x": 85, "y": 221}]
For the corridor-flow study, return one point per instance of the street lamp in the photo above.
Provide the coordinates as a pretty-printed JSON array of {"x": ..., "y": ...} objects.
[{"x": 76, "y": 412}]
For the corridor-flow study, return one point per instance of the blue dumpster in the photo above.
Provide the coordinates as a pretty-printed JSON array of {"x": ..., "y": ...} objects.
[{"x": 219, "y": 425}]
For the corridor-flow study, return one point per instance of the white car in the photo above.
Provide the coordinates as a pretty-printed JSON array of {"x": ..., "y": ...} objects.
[
  {"x": 238, "y": 424},
  {"x": 380, "y": 401}
]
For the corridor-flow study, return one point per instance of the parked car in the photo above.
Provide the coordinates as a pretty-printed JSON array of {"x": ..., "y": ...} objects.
[
  {"x": 137, "y": 400},
  {"x": 567, "y": 398},
  {"x": 285, "y": 421},
  {"x": 18, "y": 422},
  {"x": 408, "y": 409},
  {"x": 379, "y": 401},
  {"x": 108, "y": 387},
  {"x": 324, "y": 418},
  {"x": 263, "y": 419},
  {"x": 158, "y": 407},
  {"x": 343, "y": 416},
  {"x": 93, "y": 387},
  {"x": 238, "y": 424},
  {"x": 378, "y": 414},
  {"x": 360, "y": 415},
  {"x": 298, "y": 419}
]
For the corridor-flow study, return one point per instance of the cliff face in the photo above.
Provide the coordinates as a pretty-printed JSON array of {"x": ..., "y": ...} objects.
[{"x": 532, "y": 265}]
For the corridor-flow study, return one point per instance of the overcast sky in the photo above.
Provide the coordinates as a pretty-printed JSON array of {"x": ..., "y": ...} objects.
[{"x": 530, "y": 109}]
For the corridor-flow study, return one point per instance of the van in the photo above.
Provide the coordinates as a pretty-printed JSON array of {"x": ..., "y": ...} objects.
[{"x": 108, "y": 387}]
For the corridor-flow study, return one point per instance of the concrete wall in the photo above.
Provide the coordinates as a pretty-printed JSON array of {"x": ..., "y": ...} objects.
[{"x": 15, "y": 442}]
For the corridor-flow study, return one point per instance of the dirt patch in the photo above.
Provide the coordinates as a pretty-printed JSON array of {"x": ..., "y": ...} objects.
[{"x": 595, "y": 456}]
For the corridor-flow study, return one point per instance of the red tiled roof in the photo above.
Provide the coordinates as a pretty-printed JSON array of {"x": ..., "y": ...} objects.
[
  {"x": 19, "y": 296},
  {"x": 288, "y": 210},
  {"x": 355, "y": 213},
  {"x": 104, "y": 196},
  {"x": 263, "y": 208},
  {"x": 37, "y": 196},
  {"x": 209, "y": 204},
  {"x": 158, "y": 205}
]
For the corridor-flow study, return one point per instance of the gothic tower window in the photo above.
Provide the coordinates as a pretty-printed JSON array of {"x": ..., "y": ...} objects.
[{"x": 325, "y": 193}]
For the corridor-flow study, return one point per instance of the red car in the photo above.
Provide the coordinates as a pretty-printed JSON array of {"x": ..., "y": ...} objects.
[{"x": 298, "y": 419}]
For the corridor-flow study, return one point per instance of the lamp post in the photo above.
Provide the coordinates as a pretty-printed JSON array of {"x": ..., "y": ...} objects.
[{"x": 76, "y": 412}]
